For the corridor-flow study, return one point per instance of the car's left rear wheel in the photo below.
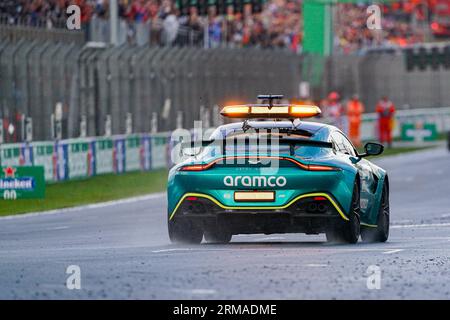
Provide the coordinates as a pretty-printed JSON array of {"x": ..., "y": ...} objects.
[{"x": 184, "y": 231}]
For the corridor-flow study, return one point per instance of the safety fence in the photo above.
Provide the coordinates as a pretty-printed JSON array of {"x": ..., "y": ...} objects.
[
  {"x": 372, "y": 76},
  {"x": 70, "y": 91},
  {"x": 55, "y": 90},
  {"x": 85, "y": 157}
]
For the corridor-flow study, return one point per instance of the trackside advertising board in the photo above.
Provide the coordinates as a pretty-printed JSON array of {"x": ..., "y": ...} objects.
[
  {"x": 26, "y": 182},
  {"x": 84, "y": 157}
]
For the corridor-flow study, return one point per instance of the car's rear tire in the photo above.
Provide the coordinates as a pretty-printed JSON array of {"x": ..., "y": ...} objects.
[
  {"x": 347, "y": 231},
  {"x": 217, "y": 235},
  {"x": 184, "y": 232},
  {"x": 381, "y": 232}
]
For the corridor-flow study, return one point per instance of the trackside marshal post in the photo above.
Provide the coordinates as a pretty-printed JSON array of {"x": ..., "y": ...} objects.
[{"x": 24, "y": 182}]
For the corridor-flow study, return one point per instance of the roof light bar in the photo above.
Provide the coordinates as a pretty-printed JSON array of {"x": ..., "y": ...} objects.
[{"x": 277, "y": 111}]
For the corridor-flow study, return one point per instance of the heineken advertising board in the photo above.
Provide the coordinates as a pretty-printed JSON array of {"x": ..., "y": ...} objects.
[{"x": 26, "y": 182}]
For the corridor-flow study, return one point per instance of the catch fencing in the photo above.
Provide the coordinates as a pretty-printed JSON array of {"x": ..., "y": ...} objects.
[
  {"x": 372, "y": 76},
  {"x": 55, "y": 90},
  {"x": 104, "y": 90}
]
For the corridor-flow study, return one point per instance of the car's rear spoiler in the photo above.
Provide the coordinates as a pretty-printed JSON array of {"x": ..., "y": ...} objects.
[{"x": 292, "y": 142}]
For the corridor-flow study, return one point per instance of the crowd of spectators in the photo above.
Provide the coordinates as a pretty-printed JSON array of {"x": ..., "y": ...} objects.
[
  {"x": 402, "y": 23},
  {"x": 279, "y": 24}
]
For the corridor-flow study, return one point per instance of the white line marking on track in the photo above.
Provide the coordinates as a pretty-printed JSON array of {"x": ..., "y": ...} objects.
[
  {"x": 316, "y": 265},
  {"x": 203, "y": 291},
  {"x": 393, "y": 251},
  {"x": 199, "y": 291},
  {"x": 57, "y": 228},
  {"x": 86, "y": 207},
  {"x": 172, "y": 250},
  {"x": 424, "y": 225}
]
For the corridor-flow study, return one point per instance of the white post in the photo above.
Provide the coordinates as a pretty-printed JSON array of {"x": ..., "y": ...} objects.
[
  {"x": 108, "y": 125},
  {"x": 179, "y": 121},
  {"x": 29, "y": 129},
  {"x": 1, "y": 130},
  {"x": 154, "y": 122},
  {"x": 52, "y": 124},
  {"x": 113, "y": 22},
  {"x": 129, "y": 124},
  {"x": 83, "y": 126}
]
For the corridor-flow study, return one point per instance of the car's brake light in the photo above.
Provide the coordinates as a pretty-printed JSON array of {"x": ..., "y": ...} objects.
[
  {"x": 197, "y": 167},
  {"x": 313, "y": 167}
]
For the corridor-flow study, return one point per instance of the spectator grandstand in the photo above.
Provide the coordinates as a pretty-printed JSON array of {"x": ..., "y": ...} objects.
[{"x": 278, "y": 25}]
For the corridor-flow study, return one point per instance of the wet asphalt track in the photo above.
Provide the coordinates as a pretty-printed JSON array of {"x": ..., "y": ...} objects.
[{"x": 124, "y": 252}]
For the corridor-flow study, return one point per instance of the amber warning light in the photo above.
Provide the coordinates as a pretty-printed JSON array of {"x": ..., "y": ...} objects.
[
  {"x": 269, "y": 110},
  {"x": 277, "y": 111}
]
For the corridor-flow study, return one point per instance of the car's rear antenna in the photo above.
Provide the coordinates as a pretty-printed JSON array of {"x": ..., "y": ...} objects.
[{"x": 270, "y": 98}]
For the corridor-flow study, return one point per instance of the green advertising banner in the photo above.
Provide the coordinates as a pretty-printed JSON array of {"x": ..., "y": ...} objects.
[
  {"x": 25, "y": 182},
  {"x": 79, "y": 158},
  {"x": 104, "y": 156},
  {"x": 133, "y": 153},
  {"x": 159, "y": 151},
  {"x": 43, "y": 155},
  {"x": 419, "y": 132}
]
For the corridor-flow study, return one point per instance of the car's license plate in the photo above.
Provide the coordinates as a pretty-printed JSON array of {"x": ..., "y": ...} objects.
[{"x": 254, "y": 196}]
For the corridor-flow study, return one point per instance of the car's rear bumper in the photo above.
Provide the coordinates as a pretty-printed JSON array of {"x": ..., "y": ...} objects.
[{"x": 309, "y": 213}]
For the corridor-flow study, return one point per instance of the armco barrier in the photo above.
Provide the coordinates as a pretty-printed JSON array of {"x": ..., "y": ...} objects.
[{"x": 85, "y": 157}]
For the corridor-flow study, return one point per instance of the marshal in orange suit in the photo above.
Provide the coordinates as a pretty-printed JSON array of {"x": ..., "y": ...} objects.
[{"x": 355, "y": 108}]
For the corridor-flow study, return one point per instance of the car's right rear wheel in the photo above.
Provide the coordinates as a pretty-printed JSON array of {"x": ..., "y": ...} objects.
[
  {"x": 380, "y": 233},
  {"x": 347, "y": 231},
  {"x": 184, "y": 232}
]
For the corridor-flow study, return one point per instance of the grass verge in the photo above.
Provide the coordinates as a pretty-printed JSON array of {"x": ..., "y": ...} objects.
[{"x": 96, "y": 189}]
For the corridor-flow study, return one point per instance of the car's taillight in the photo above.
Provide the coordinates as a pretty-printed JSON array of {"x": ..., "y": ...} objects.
[
  {"x": 310, "y": 167},
  {"x": 313, "y": 167},
  {"x": 196, "y": 167}
]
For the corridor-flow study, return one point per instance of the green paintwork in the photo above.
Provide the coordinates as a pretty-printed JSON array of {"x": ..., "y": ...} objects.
[{"x": 337, "y": 184}]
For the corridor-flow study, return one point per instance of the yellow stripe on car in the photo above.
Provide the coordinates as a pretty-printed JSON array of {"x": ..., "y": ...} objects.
[{"x": 201, "y": 195}]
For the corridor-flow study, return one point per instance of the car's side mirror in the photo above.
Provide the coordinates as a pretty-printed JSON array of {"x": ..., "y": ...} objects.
[{"x": 372, "y": 149}]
